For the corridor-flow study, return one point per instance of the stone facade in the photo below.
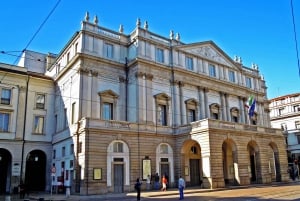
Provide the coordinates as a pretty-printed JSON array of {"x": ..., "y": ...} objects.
[{"x": 128, "y": 106}]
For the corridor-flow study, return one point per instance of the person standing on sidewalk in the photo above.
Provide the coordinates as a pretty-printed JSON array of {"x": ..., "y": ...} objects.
[
  {"x": 156, "y": 181},
  {"x": 181, "y": 186},
  {"x": 137, "y": 187},
  {"x": 148, "y": 183}
]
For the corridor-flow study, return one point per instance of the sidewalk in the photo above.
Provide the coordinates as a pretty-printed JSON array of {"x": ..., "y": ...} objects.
[{"x": 125, "y": 196}]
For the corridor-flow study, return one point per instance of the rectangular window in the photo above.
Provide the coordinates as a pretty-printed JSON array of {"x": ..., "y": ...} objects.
[
  {"x": 54, "y": 154},
  {"x": 68, "y": 57},
  {"x": 65, "y": 118},
  {"x": 4, "y": 121},
  {"x": 297, "y": 124},
  {"x": 298, "y": 138},
  {"x": 118, "y": 147},
  {"x": 107, "y": 111},
  {"x": 76, "y": 48},
  {"x": 160, "y": 55},
  {"x": 73, "y": 112},
  {"x": 5, "y": 96},
  {"x": 189, "y": 63},
  {"x": 231, "y": 76},
  {"x": 108, "y": 48},
  {"x": 162, "y": 115},
  {"x": 40, "y": 101},
  {"x": 71, "y": 164},
  {"x": 63, "y": 151},
  {"x": 212, "y": 70},
  {"x": 191, "y": 116},
  {"x": 38, "y": 125},
  {"x": 71, "y": 149},
  {"x": 296, "y": 108},
  {"x": 248, "y": 82},
  {"x": 280, "y": 111},
  {"x": 55, "y": 123}
]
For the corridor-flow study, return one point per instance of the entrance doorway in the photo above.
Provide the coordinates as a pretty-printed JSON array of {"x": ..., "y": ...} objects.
[
  {"x": 35, "y": 175},
  {"x": 195, "y": 172},
  {"x": 118, "y": 178},
  {"x": 5, "y": 170}
]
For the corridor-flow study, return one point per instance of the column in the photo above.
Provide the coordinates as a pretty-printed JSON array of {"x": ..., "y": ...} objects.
[
  {"x": 227, "y": 109},
  {"x": 149, "y": 98},
  {"x": 201, "y": 114},
  {"x": 181, "y": 103},
  {"x": 141, "y": 97},
  {"x": 122, "y": 100},
  {"x": 205, "y": 90},
  {"x": 242, "y": 109},
  {"x": 176, "y": 103},
  {"x": 222, "y": 107}
]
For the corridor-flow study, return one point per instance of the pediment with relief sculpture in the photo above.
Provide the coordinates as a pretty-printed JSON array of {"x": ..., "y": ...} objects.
[{"x": 210, "y": 51}]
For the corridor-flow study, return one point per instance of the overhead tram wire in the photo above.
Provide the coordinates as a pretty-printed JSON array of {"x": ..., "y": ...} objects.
[
  {"x": 38, "y": 30},
  {"x": 295, "y": 36}
]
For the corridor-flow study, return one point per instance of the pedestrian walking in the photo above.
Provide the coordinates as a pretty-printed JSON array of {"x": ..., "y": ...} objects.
[
  {"x": 156, "y": 181},
  {"x": 181, "y": 187},
  {"x": 164, "y": 182},
  {"x": 22, "y": 190},
  {"x": 137, "y": 187},
  {"x": 148, "y": 182}
]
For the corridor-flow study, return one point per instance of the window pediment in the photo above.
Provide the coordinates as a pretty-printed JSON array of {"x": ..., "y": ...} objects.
[
  {"x": 108, "y": 93},
  {"x": 162, "y": 96},
  {"x": 191, "y": 101}
]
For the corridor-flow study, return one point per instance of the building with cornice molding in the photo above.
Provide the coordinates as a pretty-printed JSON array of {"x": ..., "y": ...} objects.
[{"x": 132, "y": 105}]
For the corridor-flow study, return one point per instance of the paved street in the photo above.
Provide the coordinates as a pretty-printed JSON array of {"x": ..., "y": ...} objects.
[{"x": 275, "y": 192}]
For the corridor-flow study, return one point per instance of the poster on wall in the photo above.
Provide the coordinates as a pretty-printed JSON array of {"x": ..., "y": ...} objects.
[{"x": 146, "y": 168}]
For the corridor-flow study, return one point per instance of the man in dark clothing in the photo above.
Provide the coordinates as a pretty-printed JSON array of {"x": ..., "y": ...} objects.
[
  {"x": 137, "y": 187},
  {"x": 156, "y": 181}
]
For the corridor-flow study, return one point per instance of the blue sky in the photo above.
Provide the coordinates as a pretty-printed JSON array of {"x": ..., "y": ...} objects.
[{"x": 259, "y": 31}]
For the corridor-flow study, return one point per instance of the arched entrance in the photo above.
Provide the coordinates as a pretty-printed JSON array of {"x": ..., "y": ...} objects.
[
  {"x": 254, "y": 162},
  {"x": 191, "y": 163},
  {"x": 274, "y": 164},
  {"x": 5, "y": 170},
  {"x": 35, "y": 175},
  {"x": 230, "y": 163},
  {"x": 118, "y": 169}
]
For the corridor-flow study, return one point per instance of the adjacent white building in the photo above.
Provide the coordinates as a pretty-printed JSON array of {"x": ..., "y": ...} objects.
[
  {"x": 26, "y": 124},
  {"x": 285, "y": 114}
]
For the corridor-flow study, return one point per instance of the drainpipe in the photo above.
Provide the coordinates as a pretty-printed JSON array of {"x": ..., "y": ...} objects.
[
  {"x": 24, "y": 127},
  {"x": 126, "y": 89}
]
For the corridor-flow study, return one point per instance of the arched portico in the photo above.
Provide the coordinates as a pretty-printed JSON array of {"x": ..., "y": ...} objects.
[
  {"x": 230, "y": 163},
  {"x": 254, "y": 167},
  {"x": 274, "y": 164},
  {"x": 35, "y": 175},
  {"x": 191, "y": 163},
  {"x": 5, "y": 170}
]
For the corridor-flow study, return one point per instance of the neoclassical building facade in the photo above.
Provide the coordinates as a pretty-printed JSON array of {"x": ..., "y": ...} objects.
[{"x": 132, "y": 105}]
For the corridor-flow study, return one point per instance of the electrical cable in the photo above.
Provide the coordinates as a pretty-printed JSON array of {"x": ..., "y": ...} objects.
[
  {"x": 38, "y": 30},
  {"x": 295, "y": 36}
]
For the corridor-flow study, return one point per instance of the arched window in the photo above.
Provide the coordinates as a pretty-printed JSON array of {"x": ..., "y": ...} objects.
[
  {"x": 162, "y": 109},
  {"x": 214, "y": 111},
  {"x": 191, "y": 110},
  {"x": 108, "y": 104},
  {"x": 235, "y": 114}
]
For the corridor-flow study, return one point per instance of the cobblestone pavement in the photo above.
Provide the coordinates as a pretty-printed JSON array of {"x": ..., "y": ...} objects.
[{"x": 275, "y": 192}]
